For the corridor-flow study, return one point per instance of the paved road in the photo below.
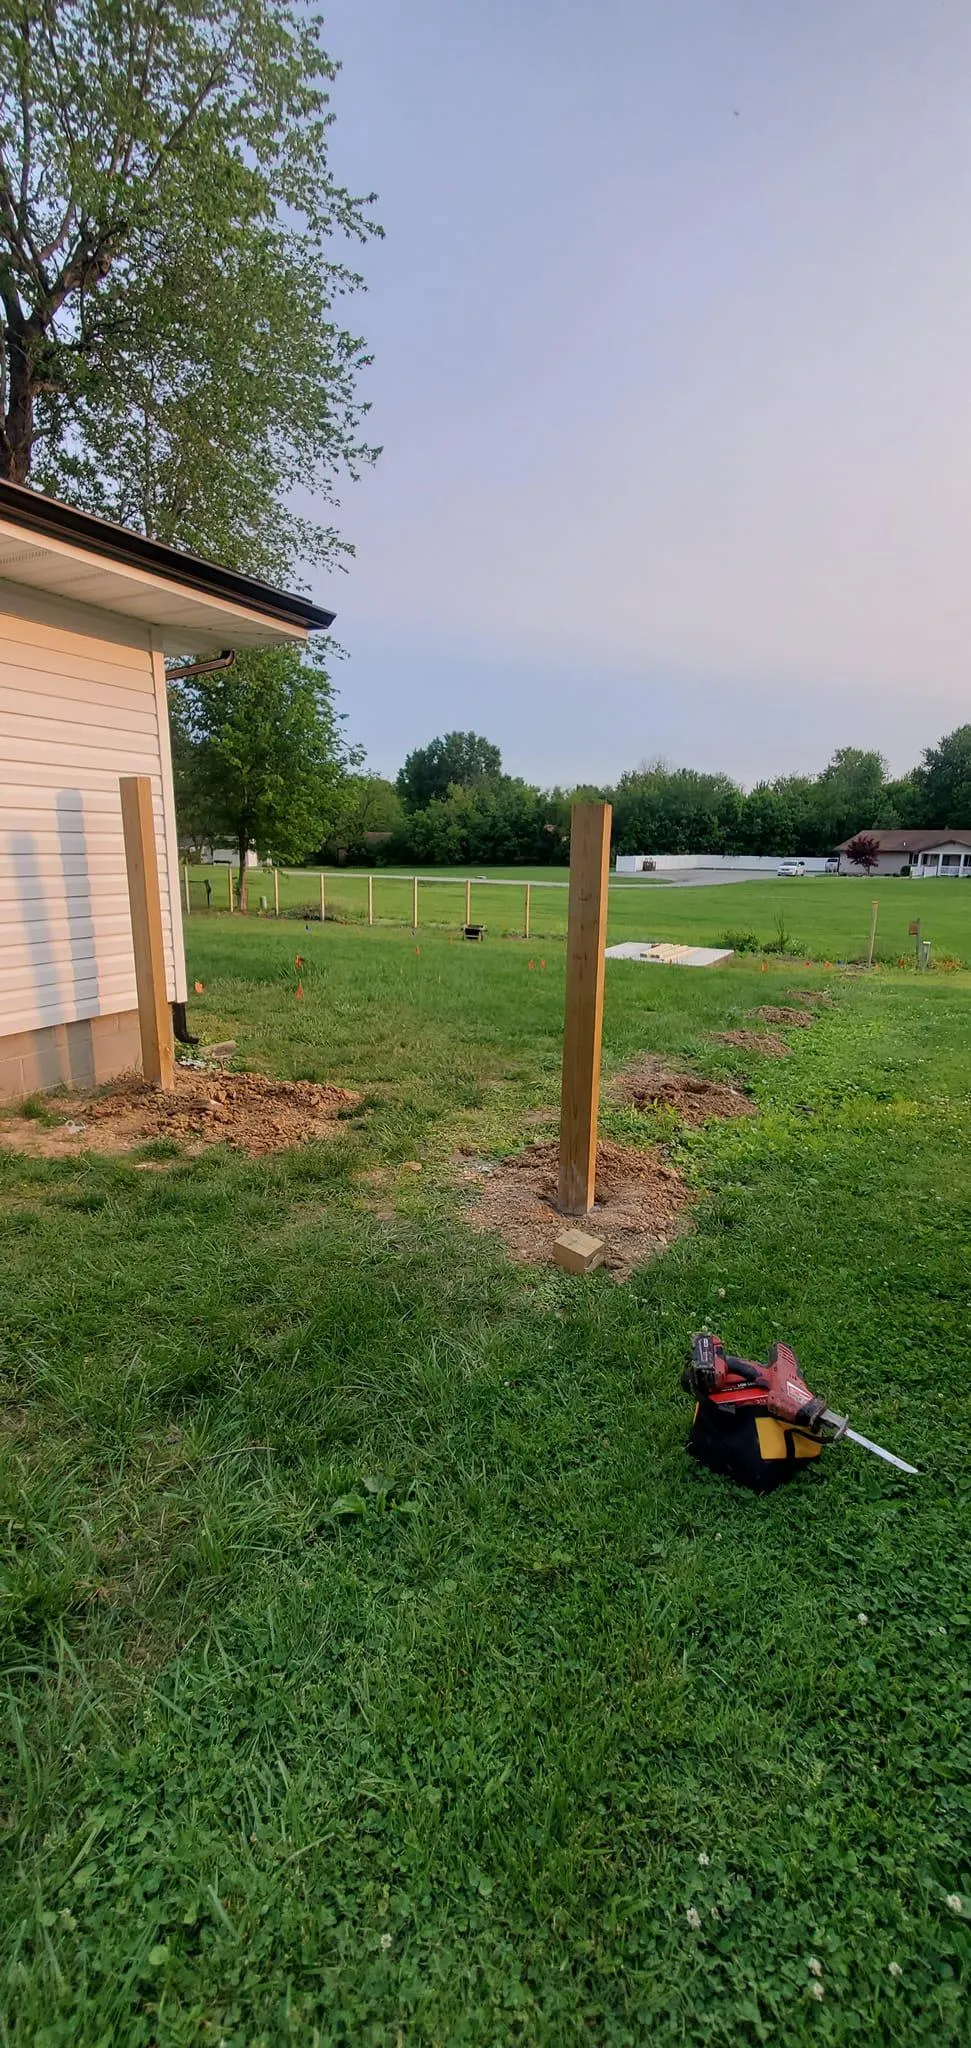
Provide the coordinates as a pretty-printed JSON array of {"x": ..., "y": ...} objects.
[{"x": 705, "y": 878}]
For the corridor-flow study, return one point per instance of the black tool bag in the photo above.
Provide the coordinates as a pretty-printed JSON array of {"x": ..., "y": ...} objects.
[{"x": 746, "y": 1443}]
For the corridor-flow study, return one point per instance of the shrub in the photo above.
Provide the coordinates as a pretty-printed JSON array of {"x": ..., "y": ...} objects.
[{"x": 742, "y": 942}]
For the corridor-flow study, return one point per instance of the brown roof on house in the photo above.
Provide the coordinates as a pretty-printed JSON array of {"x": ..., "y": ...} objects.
[{"x": 909, "y": 842}]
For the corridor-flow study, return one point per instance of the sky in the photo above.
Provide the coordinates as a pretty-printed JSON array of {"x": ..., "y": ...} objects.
[{"x": 672, "y": 375}]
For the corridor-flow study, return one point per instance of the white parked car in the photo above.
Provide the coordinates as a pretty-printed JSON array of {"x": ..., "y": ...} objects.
[{"x": 791, "y": 867}]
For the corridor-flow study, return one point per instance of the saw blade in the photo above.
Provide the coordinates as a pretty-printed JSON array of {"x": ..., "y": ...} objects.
[{"x": 879, "y": 1452}]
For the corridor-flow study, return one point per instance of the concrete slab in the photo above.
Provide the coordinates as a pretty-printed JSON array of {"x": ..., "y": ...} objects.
[{"x": 664, "y": 955}]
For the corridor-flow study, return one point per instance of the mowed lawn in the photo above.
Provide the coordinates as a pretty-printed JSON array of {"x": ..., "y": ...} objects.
[
  {"x": 827, "y": 917},
  {"x": 378, "y": 1667}
]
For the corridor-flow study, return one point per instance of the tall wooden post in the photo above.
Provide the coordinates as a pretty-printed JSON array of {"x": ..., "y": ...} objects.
[
  {"x": 323, "y": 901},
  {"x": 276, "y": 892},
  {"x": 229, "y": 878},
  {"x": 414, "y": 903},
  {"x": 141, "y": 860},
  {"x": 370, "y": 899},
  {"x": 468, "y": 901},
  {"x": 526, "y": 912},
  {"x": 188, "y": 898},
  {"x": 583, "y": 1021}
]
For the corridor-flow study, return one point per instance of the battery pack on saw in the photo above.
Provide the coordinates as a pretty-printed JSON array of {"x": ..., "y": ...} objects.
[{"x": 735, "y": 1434}]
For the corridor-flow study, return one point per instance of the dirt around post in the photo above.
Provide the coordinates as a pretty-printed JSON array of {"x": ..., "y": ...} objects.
[
  {"x": 641, "y": 1204},
  {"x": 246, "y": 1111}
]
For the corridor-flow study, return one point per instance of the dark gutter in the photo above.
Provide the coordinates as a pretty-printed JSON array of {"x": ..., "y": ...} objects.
[{"x": 56, "y": 521}]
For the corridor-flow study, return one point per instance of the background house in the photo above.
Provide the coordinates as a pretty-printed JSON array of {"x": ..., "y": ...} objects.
[
  {"x": 88, "y": 612},
  {"x": 938, "y": 851}
]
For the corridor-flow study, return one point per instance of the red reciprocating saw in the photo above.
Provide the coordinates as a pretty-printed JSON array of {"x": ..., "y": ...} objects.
[{"x": 713, "y": 1371}]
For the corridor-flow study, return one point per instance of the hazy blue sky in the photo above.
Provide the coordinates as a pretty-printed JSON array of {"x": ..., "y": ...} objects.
[{"x": 672, "y": 333}]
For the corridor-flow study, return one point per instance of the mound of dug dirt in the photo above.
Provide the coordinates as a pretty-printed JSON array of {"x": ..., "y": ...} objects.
[
  {"x": 246, "y": 1111},
  {"x": 640, "y": 1204},
  {"x": 766, "y": 1042},
  {"x": 774, "y": 1013},
  {"x": 646, "y": 1085}
]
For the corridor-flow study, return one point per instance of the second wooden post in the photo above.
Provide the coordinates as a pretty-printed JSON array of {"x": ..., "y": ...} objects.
[
  {"x": 583, "y": 1021},
  {"x": 141, "y": 860}
]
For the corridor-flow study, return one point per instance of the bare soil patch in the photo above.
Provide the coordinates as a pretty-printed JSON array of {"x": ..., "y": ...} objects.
[
  {"x": 817, "y": 996},
  {"x": 246, "y": 1111},
  {"x": 766, "y": 1042},
  {"x": 645, "y": 1084},
  {"x": 783, "y": 1013},
  {"x": 641, "y": 1204}
]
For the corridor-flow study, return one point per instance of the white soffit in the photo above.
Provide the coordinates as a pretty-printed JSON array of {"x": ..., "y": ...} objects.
[{"x": 183, "y": 621}]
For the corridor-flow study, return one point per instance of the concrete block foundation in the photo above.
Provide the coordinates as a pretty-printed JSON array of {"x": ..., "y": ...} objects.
[{"x": 80, "y": 1055}]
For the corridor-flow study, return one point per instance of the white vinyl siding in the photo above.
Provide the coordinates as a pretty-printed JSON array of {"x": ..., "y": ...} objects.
[{"x": 82, "y": 702}]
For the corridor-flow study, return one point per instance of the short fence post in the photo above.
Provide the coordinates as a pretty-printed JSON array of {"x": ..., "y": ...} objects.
[
  {"x": 874, "y": 907},
  {"x": 323, "y": 902},
  {"x": 276, "y": 892},
  {"x": 468, "y": 902},
  {"x": 414, "y": 903},
  {"x": 141, "y": 862},
  {"x": 526, "y": 914},
  {"x": 370, "y": 899},
  {"x": 188, "y": 899},
  {"x": 229, "y": 878}
]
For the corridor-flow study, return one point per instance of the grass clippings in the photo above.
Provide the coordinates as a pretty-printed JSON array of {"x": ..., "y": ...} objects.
[
  {"x": 246, "y": 1111},
  {"x": 646, "y": 1084},
  {"x": 640, "y": 1204},
  {"x": 767, "y": 1042}
]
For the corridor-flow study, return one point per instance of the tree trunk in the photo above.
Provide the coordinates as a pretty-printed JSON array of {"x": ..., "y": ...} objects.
[
  {"x": 17, "y": 439},
  {"x": 243, "y": 870}
]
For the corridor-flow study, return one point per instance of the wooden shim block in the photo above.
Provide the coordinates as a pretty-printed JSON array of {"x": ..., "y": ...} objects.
[
  {"x": 141, "y": 860},
  {"x": 577, "y": 1252},
  {"x": 583, "y": 1020}
]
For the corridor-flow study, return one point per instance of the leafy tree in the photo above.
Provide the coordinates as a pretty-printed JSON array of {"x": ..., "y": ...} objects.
[
  {"x": 848, "y": 795},
  {"x": 366, "y": 804},
  {"x": 864, "y": 852},
  {"x": 461, "y": 759},
  {"x": 943, "y": 781},
  {"x": 258, "y": 754},
  {"x": 658, "y": 809},
  {"x": 169, "y": 351}
]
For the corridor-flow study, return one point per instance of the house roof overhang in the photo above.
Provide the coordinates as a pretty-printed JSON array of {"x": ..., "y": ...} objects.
[{"x": 192, "y": 605}]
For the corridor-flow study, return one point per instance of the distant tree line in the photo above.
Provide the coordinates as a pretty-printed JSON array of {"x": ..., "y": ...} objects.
[
  {"x": 261, "y": 761},
  {"x": 452, "y": 804}
]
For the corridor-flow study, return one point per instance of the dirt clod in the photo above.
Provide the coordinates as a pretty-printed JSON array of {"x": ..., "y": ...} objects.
[
  {"x": 775, "y": 1013},
  {"x": 766, "y": 1042},
  {"x": 246, "y": 1111},
  {"x": 640, "y": 1203},
  {"x": 647, "y": 1085}
]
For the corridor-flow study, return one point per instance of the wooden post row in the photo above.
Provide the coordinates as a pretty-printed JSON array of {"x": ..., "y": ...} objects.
[
  {"x": 583, "y": 1020},
  {"x": 276, "y": 892},
  {"x": 141, "y": 861}
]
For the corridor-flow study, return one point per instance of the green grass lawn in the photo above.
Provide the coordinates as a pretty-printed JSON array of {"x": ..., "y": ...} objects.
[
  {"x": 378, "y": 1668},
  {"x": 825, "y": 916}
]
